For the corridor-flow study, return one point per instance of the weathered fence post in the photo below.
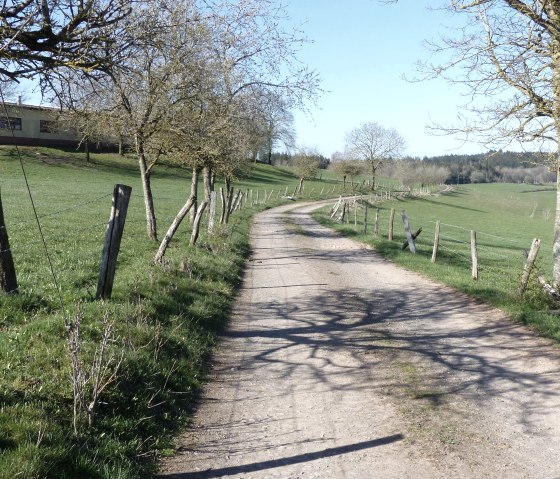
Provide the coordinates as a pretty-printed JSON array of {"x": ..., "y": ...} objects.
[
  {"x": 212, "y": 212},
  {"x": 365, "y": 219},
  {"x": 355, "y": 214},
  {"x": 336, "y": 207},
  {"x": 408, "y": 233},
  {"x": 391, "y": 221},
  {"x": 474, "y": 255},
  {"x": 8, "y": 280},
  {"x": 113, "y": 236},
  {"x": 376, "y": 224},
  {"x": 436, "y": 242},
  {"x": 529, "y": 266}
]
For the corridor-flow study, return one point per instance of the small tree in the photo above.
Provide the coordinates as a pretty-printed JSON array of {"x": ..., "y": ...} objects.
[
  {"x": 374, "y": 144},
  {"x": 306, "y": 164},
  {"x": 345, "y": 167}
]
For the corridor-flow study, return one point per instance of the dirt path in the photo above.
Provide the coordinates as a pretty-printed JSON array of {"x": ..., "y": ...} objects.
[{"x": 338, "y": 364}]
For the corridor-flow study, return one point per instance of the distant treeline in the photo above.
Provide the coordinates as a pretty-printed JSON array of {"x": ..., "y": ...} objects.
[
  {"x": 494, "y": 167},
  {"x": 490, "y": 167}
]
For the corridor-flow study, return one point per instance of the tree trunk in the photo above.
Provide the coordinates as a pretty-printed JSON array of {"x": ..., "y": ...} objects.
[
  {"x": 8, "y": 282},
  {"x": 555, "y": 67},
  {"x": 373, "y": 176},
  {"x": 147, "y": 190},
  {"x": 173, "y": 229},
  {"x": 196, "y": 223},
  {"x": 86, "y": 150},
  {"x": 194, "y": 192},
  {"x": 300, "y": 186},
  {"x": 556, "y": 243},
  {"x": 208, "y": 183},
  {"x": 227, "y": 201}
]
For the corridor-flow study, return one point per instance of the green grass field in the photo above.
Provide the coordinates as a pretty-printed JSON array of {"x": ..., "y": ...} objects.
[
  {"x": 166, "y": 317},
  {"x": 506, "y": 218}
]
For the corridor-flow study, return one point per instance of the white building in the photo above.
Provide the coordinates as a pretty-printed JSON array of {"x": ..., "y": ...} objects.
[{"x": 34, "y": 125}]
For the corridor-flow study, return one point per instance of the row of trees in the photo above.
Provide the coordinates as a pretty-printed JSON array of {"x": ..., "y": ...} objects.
[{"x": 207, "y": 84}]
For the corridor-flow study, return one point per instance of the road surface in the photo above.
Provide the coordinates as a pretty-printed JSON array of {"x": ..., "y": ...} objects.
[{"x": 339, "y": 364}]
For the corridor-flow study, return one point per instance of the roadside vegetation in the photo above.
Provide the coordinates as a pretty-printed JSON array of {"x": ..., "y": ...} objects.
[
  {"x": 156, "y": 331},
  {"x": 506, "y": 218}
]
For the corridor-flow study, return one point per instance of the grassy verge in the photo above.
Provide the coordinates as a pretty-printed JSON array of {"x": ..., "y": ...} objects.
[
  {"x": 506, "y": 219},
  {"x": 159, "y": 327}
]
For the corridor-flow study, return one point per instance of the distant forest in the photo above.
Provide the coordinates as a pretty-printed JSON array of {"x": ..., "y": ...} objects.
[
  {"x": 490, "y": 167},
  {"x": 495, "y": 166}
]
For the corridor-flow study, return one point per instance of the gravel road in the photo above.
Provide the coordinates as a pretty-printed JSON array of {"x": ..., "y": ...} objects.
[{"x": 339, "y": 364}]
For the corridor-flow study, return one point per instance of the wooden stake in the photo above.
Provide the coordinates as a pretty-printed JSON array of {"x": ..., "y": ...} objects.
[
  {"x": 436, "y": 242},
  {"x": 113, "y": 236},
  {"x": 414, "y": 236},
  {"x": 365, "y": 219},
  {"x": 376, "y": 224},
  {"x": 212, "y": 212},
  {"x": 408, "y": 233},
  {"x": 529, "y": 266},
  {"x": 474, "y": 256},
  {"x": 391, "y": 221}
]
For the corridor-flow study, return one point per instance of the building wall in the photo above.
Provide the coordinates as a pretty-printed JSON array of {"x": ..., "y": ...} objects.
[{"x": 39, "y": 126}]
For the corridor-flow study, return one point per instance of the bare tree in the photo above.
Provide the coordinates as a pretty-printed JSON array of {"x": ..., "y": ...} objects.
[
  {"x": 507, "y": 56},
  {"x": 276, "y": 124},
  {"x": 306, "y": 163},
  {"x": 345, "y": 167},
  {"x": 374, "y": 144},
  {"x": 244, "y": 55},
  {"x": 41, "y": 36}
]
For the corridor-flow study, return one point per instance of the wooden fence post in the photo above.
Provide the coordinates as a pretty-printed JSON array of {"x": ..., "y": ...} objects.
[
  {"x": 355, "y": 214},
  {"x": 376, "y": 224},
  {"x": 474, "y": 255},
  {"x": 113, "y": 236},
  {"x": 436, "y": 242},
  {"x": 408, "y": 233},
  {"x": 8, "y": 280},
  {"x": 529, "y": 266},
  {"x": 414, "y": 236},
  {"x": 212, "y": 212},
  {"x": 365, "y": 218},
  {"x": 391, "y": 221}
]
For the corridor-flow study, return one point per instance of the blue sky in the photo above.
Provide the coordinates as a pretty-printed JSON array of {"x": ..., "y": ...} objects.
[{"x": 362, "y": 48}]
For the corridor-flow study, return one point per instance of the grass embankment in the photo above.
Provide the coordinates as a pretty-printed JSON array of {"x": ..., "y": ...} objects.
[
  {"x": 166, "y": 317},
  {"x": 506, "y": 218}
]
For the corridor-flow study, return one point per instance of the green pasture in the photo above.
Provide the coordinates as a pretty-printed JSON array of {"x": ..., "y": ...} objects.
[
  {"x": 166, "y": 317},
  {"x": 506, "y": 218}
]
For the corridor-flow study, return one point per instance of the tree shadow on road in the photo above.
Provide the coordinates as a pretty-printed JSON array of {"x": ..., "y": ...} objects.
[{"x": 285, "y": 461}]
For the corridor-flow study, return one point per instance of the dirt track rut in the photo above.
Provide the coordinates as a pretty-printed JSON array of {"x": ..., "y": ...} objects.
[{"x": 338, "y": 364}]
